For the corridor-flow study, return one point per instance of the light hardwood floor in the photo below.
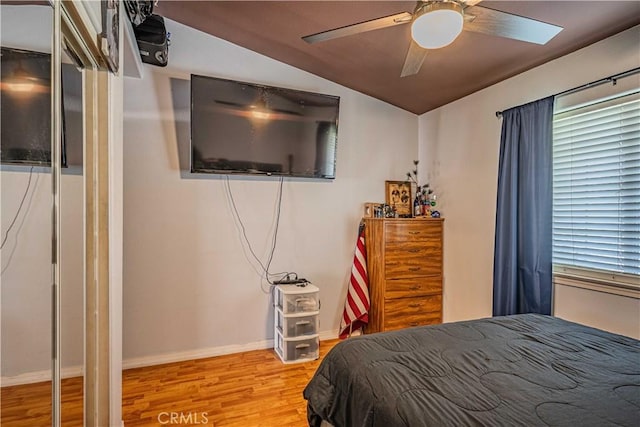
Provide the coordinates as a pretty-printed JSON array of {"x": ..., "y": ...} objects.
[{"x": 245, "y": 389}]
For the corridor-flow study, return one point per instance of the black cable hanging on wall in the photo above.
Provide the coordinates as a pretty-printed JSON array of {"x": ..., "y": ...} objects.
[
  {"x": 274, "y": 240},
  {"x": 13, "y": 221}
]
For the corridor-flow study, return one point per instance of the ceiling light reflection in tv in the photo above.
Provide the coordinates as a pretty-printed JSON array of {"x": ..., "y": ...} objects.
[
  {"x": 25, "y": 110},
  {"x": 245, "y": 128}
]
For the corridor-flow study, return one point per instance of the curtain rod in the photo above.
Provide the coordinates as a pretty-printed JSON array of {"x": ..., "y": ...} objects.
[{"x": 611, "y": 79}]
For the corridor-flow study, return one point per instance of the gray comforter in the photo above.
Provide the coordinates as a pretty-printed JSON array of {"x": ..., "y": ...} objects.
[{"x": 516, "y": 370}]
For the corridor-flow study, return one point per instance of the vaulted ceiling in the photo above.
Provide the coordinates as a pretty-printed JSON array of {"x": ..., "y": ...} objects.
[{"x": 371, "y": 62}]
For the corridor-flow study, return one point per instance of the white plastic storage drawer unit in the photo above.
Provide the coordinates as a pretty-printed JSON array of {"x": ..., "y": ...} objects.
[
  {"x": 297, "y": 299},
  {"x": 297, "y": 349},
  {"x": 296, "y": 323}
]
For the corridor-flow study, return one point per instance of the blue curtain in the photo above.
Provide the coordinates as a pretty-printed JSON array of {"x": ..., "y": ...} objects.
[{"x": 522, "y": 255}]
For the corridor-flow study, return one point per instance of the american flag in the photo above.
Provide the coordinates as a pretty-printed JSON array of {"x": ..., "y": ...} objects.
[{"x": 356, "y": 306}]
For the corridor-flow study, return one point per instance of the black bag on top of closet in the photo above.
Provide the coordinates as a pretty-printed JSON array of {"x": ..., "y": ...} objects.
[{"x": 153, "y": 41}]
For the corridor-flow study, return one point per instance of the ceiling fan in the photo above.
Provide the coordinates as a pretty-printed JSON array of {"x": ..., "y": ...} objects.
[{"x": 437, "y": 23}]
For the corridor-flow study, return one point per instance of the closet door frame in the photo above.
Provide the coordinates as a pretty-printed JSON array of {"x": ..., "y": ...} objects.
[{"x": 73, "y": 35}]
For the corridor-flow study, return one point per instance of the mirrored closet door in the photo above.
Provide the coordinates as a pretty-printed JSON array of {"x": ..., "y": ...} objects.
[
  {"x": 53, "y": 107},
  {"x": 26, "y": 179},
  {"x": 71, "y": 244}
]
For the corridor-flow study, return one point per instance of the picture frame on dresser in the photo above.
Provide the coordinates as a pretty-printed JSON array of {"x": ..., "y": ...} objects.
[
  {"x": 398, "y": 195},
  {"x": 372, "y": 210}
]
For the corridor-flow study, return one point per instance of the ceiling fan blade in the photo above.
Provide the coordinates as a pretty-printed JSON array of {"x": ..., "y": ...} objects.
[
  {"x": 413, "y": 61},
  {"x": 287, "y": 112},
  {"x": 232, "y": 104},
  {"x": 470, "y": 3},
  {"x": 374, "y": 24},
  {"x": 502, "y": 24}
]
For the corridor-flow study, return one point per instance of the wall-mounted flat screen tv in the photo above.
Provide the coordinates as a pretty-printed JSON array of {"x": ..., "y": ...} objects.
[
  {"x": 25, "y": 105},
  {"x": 245, "y": 128}
]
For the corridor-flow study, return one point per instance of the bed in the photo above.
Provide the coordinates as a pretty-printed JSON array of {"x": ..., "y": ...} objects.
[{"x": 514, "y": 370}]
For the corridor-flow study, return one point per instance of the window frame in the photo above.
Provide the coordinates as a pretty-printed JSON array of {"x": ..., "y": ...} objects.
[{"x": 613, "y": 282}]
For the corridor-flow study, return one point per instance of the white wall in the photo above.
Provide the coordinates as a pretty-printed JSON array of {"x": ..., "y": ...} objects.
[
  {"x": 188, "y": 287},
  {"x": 598, "y": 309},
  {"x": 26, "y": 272},
  {"x": 459, "y": 148}
]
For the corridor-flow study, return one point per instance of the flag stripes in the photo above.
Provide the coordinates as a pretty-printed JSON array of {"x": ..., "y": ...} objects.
[{"x": 356, "y": 306}]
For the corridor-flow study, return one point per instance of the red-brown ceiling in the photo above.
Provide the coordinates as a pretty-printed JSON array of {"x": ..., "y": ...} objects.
[{"x": 371, "y": 62}]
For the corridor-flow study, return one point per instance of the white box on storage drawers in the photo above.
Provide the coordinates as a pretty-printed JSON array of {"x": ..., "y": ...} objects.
[
  {"x": 297, "y": 324},
  {"x": 297, "y": 299},
  {"x": 298, "y": 349}
]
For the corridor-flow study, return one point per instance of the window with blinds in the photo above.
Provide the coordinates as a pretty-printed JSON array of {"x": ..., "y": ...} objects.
[{"x": 596, "y": 186}]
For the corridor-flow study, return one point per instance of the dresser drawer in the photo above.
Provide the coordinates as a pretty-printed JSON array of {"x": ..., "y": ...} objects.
[
  {"x": 431, "y": 303},
  {"x": 406, "y": 312},
  {"x": 403, "y": 264},
  {"x": 414, "y": 231},
  {"x": 409, "y": 288},
  {"x": 392, "y": 322}
]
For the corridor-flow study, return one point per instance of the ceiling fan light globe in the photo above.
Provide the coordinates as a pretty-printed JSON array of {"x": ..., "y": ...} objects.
[
  {"x": 20, "y": 86},
  {"x": 260, "y": 114},
  {"x": 437, "y": 28}
]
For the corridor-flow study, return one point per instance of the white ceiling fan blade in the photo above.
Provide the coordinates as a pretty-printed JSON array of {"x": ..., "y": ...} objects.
[
  {"x": 502, "y": 24},
  {"x": 374, "y": 24},
  {"x": 413, "y": 61}
]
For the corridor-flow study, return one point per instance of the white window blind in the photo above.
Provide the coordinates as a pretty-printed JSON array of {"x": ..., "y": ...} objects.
[{"x": 596, "y": 186}]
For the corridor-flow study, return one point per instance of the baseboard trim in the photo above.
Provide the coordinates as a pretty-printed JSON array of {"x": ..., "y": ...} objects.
[
  {"x": 203, "y": 353},
  {"x": 328, "y": 335},
  {"x": 39, "y": 376},
  {"x": 160, "y": 359}
]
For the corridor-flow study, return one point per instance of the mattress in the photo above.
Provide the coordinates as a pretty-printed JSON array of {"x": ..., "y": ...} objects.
[{"x": 505, "y": 371}]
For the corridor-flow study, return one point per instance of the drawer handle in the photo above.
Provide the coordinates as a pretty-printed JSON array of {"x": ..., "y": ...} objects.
[
  {"x": 414, "y": 250},
  {"x": 414, "y": 232},
  {"x": 299, "y": 346},
  {"x": 415, "y": 305},
  {"x": 414, "y": 268},
  {"x": 416, "y": 287},
  {"x": 413, "y": 324}
]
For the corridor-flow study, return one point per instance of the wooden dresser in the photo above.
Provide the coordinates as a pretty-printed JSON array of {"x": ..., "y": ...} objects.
[{"x": 404, "y": 260}]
